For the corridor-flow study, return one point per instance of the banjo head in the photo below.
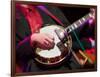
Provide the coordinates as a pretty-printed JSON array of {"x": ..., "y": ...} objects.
[{"x": 58, "y": 53}]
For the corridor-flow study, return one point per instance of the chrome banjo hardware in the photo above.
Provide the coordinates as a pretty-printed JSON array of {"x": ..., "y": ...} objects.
[
  {"x": 63, "y": 42},
  {"x": 57, "y": 56}
]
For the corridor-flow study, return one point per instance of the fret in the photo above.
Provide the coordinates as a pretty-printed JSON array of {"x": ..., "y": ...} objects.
[
  {"x": 75, "y": 25},
  {"x": 72, "y": 27},
  {"x": 90, "y": 15},
  {"x": 86, "y": 17},
  {"x": 68, "y": 29},
  {"x": 78, "y": 23},
  {"x": 83, "y": 19}
]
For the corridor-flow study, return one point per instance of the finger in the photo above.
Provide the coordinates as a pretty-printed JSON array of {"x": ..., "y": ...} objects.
[
  {"x": 50, "y": 36},
  {"x": 43, "y": 46},
  {"x": 51, "y": 45},
  {"x": 46, "y": 43},
  {"x": 49, "y": 40}
]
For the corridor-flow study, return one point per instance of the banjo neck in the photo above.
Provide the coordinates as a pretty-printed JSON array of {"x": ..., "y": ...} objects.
[
  {"x": 62, "y": 34},
  {"x": 60, "y": 50},
  {"x": 78, "y": 23}
]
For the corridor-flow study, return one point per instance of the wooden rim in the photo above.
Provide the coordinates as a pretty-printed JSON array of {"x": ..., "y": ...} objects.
[{"x": 47, "y": 61}]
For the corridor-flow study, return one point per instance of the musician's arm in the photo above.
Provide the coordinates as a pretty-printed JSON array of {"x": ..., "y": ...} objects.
[
  {"x": 24, "y": 50},
  {"x": 23, "y": 45}
]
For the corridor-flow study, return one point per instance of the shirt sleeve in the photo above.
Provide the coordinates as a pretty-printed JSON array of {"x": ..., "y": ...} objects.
[{"x": 24, "y": 49}]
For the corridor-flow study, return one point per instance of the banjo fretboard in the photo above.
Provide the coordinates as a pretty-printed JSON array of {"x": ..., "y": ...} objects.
[{"x": 78, "y": 23}]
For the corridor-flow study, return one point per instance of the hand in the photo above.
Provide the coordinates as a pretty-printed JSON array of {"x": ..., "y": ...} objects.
[{"x": 43, "y": 41}]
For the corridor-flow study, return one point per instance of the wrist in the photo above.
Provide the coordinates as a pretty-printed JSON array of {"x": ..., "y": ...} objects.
[{"x": 33, "y": 39}]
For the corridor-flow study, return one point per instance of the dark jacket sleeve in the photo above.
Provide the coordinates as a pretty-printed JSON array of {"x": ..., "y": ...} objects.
[{"x": 24, "y": 49}]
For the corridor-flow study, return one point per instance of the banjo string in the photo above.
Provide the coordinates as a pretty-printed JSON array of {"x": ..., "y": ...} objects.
[{"x": 44, "y": 9}]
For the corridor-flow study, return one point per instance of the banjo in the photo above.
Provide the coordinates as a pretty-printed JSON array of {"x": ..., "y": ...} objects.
[{"x": 63, "y": 42}]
